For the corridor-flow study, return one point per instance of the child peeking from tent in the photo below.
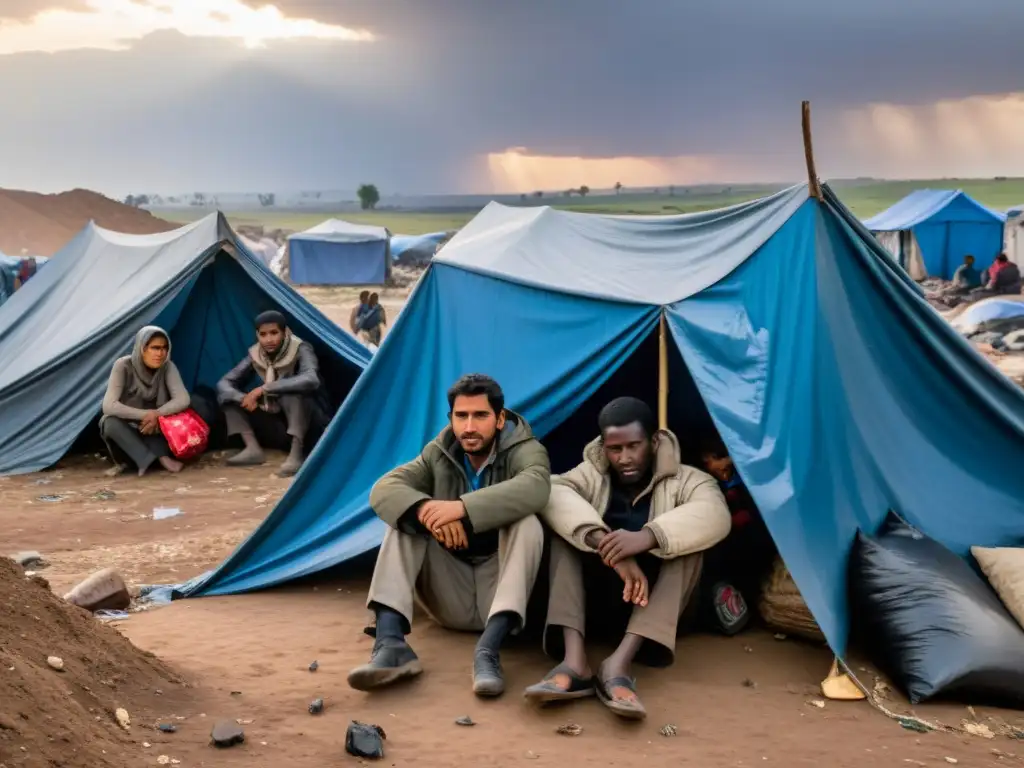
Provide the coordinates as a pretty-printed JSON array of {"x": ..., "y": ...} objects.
[{"x": 733, "y": 569}]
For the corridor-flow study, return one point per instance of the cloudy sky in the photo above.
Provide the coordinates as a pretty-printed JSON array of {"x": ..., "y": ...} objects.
[{"x": 424, "y": 96}]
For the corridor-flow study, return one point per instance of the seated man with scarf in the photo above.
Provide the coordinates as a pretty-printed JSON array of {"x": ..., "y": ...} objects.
[{"x": 279, "y": 411}]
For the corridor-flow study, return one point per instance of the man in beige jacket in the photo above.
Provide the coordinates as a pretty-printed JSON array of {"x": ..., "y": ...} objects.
[{"x": 631, "y": 524}]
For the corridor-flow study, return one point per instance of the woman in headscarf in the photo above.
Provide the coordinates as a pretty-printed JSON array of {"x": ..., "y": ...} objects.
[{"x": 143, "y": 386}]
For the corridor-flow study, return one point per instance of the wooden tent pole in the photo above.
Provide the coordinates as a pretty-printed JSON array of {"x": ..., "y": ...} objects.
[
  {"x": 814, "y": 185},
  {"x": 662, "y": 373}
]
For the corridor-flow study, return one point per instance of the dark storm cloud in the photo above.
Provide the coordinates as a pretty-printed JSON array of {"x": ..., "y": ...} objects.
[{"x": 449, "y": 80}]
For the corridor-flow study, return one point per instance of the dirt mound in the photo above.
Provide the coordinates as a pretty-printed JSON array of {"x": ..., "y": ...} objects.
[
  {"x": 67, "y": 718},
  {"x": 40, "y": 225}
]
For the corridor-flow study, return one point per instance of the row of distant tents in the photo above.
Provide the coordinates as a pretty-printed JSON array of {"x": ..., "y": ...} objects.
[
  {"x": 930, "y": 231},
  {"x": 839, "y": 392}
]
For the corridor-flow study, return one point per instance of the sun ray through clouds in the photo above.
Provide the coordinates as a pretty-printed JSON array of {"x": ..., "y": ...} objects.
[{"x": 116, "y": 24}]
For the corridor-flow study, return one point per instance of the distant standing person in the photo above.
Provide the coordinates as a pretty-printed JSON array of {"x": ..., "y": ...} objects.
[
  {"x": 358, "y": 311},
  {"x": 373, "y": 321}
]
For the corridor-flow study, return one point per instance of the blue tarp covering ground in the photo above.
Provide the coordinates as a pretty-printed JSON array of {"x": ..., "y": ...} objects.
[
  {"x": 794, "y": 333},
  {"x": 61, "y": 333},
  {"x": 340, "y": 253},
  {"x": 948, "y": 225}
]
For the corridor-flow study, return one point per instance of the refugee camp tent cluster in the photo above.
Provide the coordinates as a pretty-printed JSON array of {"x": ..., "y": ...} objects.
[
  {"x": 60, "y": 334},
  {"x": 931, "y": 230},
  {"x": 340, "y": 253},
  {"x": 791, "y": 332}
]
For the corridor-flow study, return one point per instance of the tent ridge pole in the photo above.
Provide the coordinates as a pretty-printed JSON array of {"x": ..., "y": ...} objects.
[
  {"x": 814, "y": 184},
  {"x": 662, "y": 372}
]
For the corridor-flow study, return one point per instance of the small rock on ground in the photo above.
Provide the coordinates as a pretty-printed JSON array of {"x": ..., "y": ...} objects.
[
  {"x": 465, "y": 720},
  {"x": 316, "y": 706},
  {"x": 569, "y": 729},
  {"x": 669, "y": 730},
  {"x": 55, "y": 662},
  {"x": 227, "y": 734}
]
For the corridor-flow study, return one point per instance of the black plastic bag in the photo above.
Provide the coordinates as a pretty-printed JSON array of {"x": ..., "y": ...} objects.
[
  {"x": 932, "y": 623},
  {"x": 364, "y": 740}
]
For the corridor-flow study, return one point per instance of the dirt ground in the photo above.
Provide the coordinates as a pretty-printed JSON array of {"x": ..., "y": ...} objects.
[
  {"x": 751, "y": 700},
  {"x": 746, "y": 701}
]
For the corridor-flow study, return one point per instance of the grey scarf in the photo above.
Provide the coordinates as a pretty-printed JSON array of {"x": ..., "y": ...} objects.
[{"x": 145, "y": 383}]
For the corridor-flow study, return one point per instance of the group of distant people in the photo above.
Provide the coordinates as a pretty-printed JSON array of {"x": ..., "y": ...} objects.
[
  {"x": 638, "y": 538},
  {"x": 969, "y": 284},
  {"x": 273, "y": 398},
  {"x": 368, "y": 319}
]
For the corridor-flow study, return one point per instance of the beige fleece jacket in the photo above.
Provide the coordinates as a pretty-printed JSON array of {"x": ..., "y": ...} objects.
[{"x": 688, "y": 511}]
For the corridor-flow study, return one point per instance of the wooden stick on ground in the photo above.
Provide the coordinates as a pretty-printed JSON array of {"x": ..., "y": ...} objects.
[
  {"x": 662, "y": 373},
  {"x": 814, "y": 185}
]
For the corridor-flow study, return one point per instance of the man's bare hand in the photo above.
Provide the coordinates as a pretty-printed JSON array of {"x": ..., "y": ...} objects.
[
  {"x": 619, "y": 545},
  {"x": 251, "y": 400},
  {"x": 150, "y": 423},
  {"x": 635, "y": 589},
  {"x": 434, "y": 514},
  {"x": 452, "y": 536}
]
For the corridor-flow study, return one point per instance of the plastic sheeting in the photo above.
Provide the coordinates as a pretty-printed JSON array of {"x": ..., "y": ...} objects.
[
  {"x": 417, "y": 249},
  {"x": 988, "y": 309},
  {"x": 60, "y": 334},
  {"x": 948, "y": 225},
  {"x": 815, "y": 355},
  {"x": 340, "y": 253}
]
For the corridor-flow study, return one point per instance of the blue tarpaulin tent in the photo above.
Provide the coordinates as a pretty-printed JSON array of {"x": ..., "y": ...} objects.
[
  {"x": 340, "y": 253},
  {"x": 61, "y": 333},
  {"x": 839, "y": 392},
  {"x": 418, "y": 249},
  {"x": 944, "y": 226}
]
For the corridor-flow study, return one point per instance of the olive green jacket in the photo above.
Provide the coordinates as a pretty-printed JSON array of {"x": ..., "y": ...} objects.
[{"x": 515, "y": 485}]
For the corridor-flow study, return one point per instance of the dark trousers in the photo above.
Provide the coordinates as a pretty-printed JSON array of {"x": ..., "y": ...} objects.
[
  {"x": 124, "y": 439},
  {"x": 297, "y": 418}
]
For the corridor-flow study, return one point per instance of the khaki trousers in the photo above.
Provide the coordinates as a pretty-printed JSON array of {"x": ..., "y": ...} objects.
[
  {"x": 457, "y": 594},
  {"x": 657, "y": 622}
]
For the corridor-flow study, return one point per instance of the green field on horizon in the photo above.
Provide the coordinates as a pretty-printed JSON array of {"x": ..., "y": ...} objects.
[{"x": 863, "y": 198}]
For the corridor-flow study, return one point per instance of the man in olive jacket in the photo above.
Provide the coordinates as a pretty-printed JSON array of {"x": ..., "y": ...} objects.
[
  {"x": 631, "y": 524},
  {"x": 463, "y": 536}
]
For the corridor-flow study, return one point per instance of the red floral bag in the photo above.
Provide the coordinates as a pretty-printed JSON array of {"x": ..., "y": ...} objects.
[{"x": 186, "y": 433}]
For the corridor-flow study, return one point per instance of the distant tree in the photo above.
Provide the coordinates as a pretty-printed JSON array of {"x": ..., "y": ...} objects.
[
  {"x": 137, "y": 201},
  {"x": 538, "y": 193},
  {"x": 267, "y": 200},
  {"x": 568, "y": 192},
  {"x": 369, "y": 196},
  {"x": 198, "y": 198},
  {"x": 584, "y": 190},
  {"x": 130, "y": 200},
  {"x": 618, "y": 187},
  {"x": 522, "y": 197}
]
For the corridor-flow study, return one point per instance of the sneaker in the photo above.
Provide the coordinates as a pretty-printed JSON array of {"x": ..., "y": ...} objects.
[
  {"x": 391, "y": 660},
  {"x": 730, "y": 609}
]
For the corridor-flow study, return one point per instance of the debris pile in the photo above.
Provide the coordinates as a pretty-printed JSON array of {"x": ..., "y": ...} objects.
[{"x": 71, "y": 687}]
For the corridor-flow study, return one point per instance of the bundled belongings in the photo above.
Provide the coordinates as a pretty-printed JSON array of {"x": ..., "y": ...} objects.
[
  {"x": 783, "y": 607},
  {"x": 930, "y": 622}
]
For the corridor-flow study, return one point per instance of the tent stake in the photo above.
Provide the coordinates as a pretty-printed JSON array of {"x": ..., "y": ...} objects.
[
  {"x": 662, "y": 373},
  {"x": 814, "y": 185}
]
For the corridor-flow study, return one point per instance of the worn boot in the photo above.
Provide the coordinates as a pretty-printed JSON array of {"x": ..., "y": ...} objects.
[
  {"x": 294, "y": 461},
  {"x": 488, "y": 680},
  {"x": 250, "y": 455},
  {"x": 392, "y": 660}
]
